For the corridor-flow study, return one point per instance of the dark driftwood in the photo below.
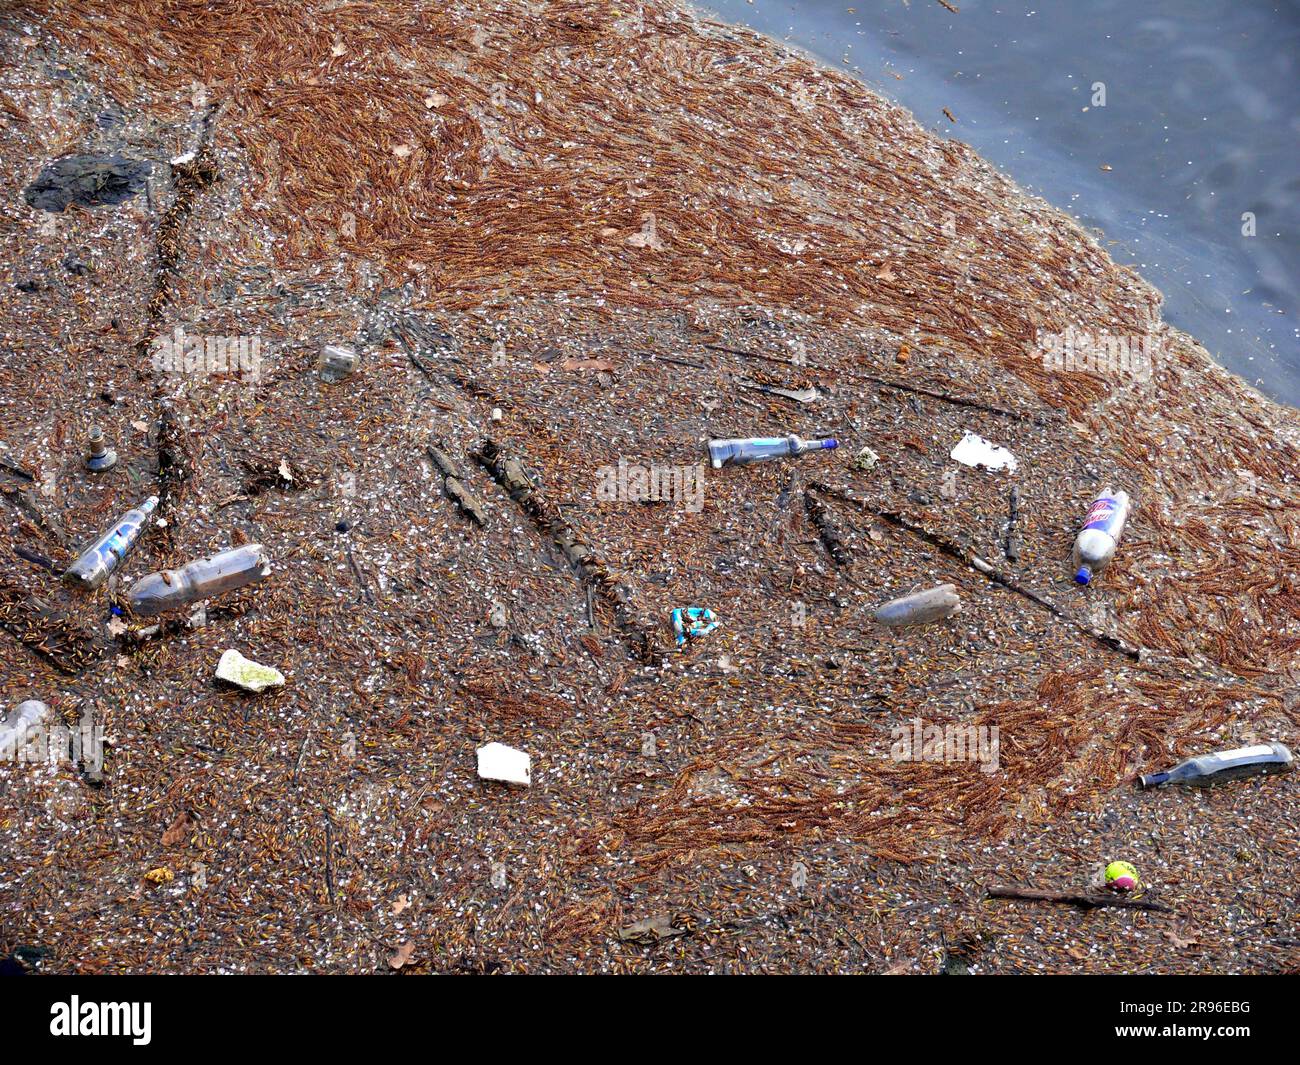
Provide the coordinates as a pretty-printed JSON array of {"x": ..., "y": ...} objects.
[{"x": 1072, "y": 898}]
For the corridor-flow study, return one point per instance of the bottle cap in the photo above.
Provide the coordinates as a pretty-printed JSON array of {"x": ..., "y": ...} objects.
[
  {"x": 830, "y": 442},
  {"x": 1084, "y": 576}
]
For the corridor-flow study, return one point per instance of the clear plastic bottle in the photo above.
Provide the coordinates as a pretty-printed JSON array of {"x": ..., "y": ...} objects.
[
  {"x": 920, "y": 608},
  {"x": 94, "y": 565},
  {"x": 1206, "y": 770},
  {"x": 757, "y": 448},
  {"x": 1095, "y": 545},
  {"x": 202, "y": 579}
]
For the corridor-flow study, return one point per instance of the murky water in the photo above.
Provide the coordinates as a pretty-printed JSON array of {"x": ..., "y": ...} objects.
[{"x": 1199, "y": 127}]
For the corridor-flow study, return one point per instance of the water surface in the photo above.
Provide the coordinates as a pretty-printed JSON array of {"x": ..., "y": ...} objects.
[{"x": 1200, "y": 126}]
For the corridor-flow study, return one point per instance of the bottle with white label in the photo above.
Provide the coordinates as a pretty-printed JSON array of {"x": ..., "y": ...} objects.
[
  {"x": 1095, "y": 545},
  {"x": 1206, "y": 770}
]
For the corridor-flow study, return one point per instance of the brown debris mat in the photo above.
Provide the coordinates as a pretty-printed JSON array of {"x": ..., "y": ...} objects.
[{"x": 599, "y": 219}]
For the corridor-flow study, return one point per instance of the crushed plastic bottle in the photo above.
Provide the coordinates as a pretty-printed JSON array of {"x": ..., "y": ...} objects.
[
  {"x": 1206, "y": 770},
  {"x": 204, "y": 578},
  {"x": 93, "y": 567},
  {"x": 757, "y": 448},
  {"x": 1104, "y": 525},
  {"x": 920, "y": 608}
]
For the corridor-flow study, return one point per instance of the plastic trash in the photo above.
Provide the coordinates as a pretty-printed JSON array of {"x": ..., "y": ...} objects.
[
  {"x": 202, "y": 579},
  {"x": 1206, "y": 770},
  {"x": 865, "y": 459},
  {"x": 757, "y": 448},
  {"x": 244, "y": 673},
  {"x": 101, "y": 558},
  {"x": 692, "y": 622},
  {"x": 336, "y": 361},
  {"x": 920, "y": 608},
  {"x": 1095, "y": 545},
  {"x": 498, "y": 762},
  {"x": 16, "y": 728},
  {"x": 973, "y": 450},
  {"x": 99, "y": 456}
]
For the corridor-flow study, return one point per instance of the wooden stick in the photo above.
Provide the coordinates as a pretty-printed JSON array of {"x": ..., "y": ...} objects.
[{"x": 1070, "y": 898}]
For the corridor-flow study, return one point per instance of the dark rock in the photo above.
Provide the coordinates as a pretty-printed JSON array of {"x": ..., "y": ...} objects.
[{"x": 87, "y": 181}]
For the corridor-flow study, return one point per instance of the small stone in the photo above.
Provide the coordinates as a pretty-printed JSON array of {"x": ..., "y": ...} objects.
[
  {"x": 235, "y": 669},
  {"x": 496, "y": 761}
]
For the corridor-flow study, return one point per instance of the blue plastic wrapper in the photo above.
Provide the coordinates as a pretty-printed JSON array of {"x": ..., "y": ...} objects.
[{"x": 692, "y": 622}]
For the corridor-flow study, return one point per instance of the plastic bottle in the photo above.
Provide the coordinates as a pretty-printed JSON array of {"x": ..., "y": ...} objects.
[
  {"x": 920, "y": 608},
  {"x": 1095, "y": 545},
  {"x": 93, "y": 567},
  {"x": 1206, "y": 770},
  {"x": 202, "y": 579},
  {"x": 757, "y": 448}
]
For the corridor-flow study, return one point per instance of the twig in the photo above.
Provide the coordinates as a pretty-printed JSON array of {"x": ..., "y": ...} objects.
[
  {"x": 356, "y": 572},
  {"x": 39, "y": 559},
  {"x": 676, "y": 362},
  {"x": 1069, "y": 898},
  {"x": 958, "y": 401},
  {"x": 17, "y": 471}
]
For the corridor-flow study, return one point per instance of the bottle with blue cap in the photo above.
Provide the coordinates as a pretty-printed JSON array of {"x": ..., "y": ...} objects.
[
  {"x": 1095, "y": 545},
  {"x": 757, "y": 448}
]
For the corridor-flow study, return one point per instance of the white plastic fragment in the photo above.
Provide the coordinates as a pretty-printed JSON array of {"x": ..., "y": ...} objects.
[
  {"x": 973, "y": 450},
  {"x": 496, "y": 761},
  {"x": 865, "y": 459},
  {"x": 16, "y": 727},
  {"x": 244, "y": 673}
]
